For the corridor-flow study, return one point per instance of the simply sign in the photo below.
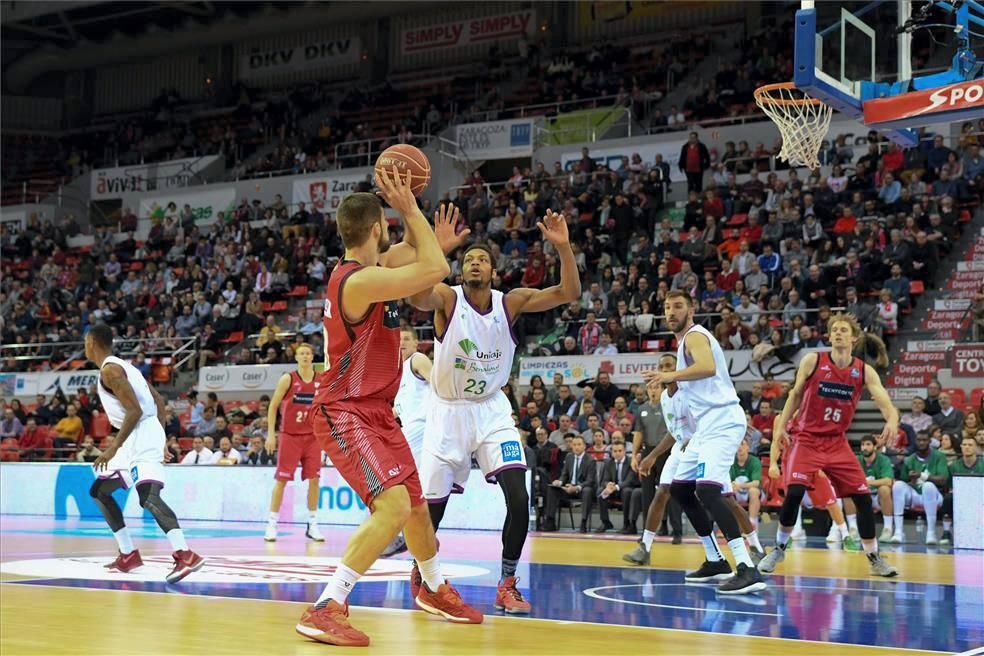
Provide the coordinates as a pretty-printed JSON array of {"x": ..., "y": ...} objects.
[
  {"x": 304, "y": 57},
  {"x": 467, "y": 32}
]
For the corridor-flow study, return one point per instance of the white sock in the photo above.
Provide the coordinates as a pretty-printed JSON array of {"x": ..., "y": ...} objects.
[
  {"x": 339, "y": 586},
  {"x": 870, "y": 547},
  {"x": 430, "y": 571},
  {"x": 898, "y": 525},
  {"x": 753, "y": 539},
  {"x": 124, "y": 540},
  {"x": 852, "y": 522},
  {"x": 947, "y": 525},
  {"x": 177, "y": 539},
  {"x": 842, "y": 529},
  {"x": 888, "y": 521},
  {"x": 782, "y": 537},
  {"x": 647, "y": 539},
  {"x": 313, "y": 517},
  {"x": 273, "y": 518},
  {"x": 711, "y": 548},
  {"x": 799, "y": 518},
  {"x": 755, "y": 522},
  {"x": 740, "y": 552}
]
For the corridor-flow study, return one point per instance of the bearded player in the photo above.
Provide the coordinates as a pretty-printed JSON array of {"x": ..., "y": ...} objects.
[
  {"x": 468, "y": 415},
  {"x": 353, "y": 407},
  {"x": 826, "y": 393},
  {"x": 298, "y": 446},
  {"x": 703, "y": 476}
]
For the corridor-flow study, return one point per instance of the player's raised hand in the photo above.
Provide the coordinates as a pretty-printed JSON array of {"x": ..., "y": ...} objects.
[
  {"x": 554, "y": 228},
  {"x": 446, "y": 227},
  {"x": 395, "y": 190},
  {"x": 656, "y": 380}
]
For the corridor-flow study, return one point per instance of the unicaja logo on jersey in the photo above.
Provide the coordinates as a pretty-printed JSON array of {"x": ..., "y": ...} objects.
[{"x": 471, "y": 348}]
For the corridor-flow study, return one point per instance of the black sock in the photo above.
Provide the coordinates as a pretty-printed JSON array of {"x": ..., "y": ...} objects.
[{"x": 509, "y": 567}]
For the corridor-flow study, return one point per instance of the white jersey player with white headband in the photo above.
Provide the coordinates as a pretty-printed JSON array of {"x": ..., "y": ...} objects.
[
  {"x": 135, "y": 456},
  {"x": 468, "y": 414},
  {"x": 703, "y": 475}
]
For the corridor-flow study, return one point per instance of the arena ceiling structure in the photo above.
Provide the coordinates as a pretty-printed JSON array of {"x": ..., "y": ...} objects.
[{"x": 43, "y": 37}]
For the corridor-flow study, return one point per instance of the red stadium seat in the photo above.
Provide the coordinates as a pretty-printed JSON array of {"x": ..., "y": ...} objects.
[
  {"x": 916, "y": 287},
  {"x": 234, "y": 338},
  {"x": 975, "y": 397},
  {"x": 964, "y": 216},
  {"x": 160, "y": 374},
  {"x": 957, "y": 396},
  {"x": 298, "y": 291},
  {"x": 186, "y": 443},
  {"x": 738, "y": 220},
  {"x": 99, "y": 426}
]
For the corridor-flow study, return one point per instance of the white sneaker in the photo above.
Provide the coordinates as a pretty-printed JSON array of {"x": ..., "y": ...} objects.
[
  {"x": 313, "y": 533},
  {"x": 834, "y": 535},
  {"x": 931, "y": 537},
  {"x": 853, "y": 532},
  {"x": 897, "y": 538},
  {"x": 886, "y": 535},
  {"x": 798, "y": 533},
  {"x": 271, "y": 533}
]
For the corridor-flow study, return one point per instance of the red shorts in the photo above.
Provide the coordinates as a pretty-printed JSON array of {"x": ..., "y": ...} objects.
[
  {"x": 298, "y": 449},
  {"x": 831, "y": 454},
  {"x": 367, "y": 447},
  {"x": 822, "y": 494}
]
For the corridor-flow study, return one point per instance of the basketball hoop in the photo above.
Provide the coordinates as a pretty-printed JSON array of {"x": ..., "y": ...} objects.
[{"x": 803, "y": 121}]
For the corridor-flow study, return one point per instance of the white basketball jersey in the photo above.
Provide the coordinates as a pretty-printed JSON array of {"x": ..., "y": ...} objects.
[
  {"x": 676, "y": 414},
  {"x": 474, "y": 358},
  {"x": 112, "y": 406},
  {"x": 411, "y": 399},
  {"x": 716, "y": 391}
]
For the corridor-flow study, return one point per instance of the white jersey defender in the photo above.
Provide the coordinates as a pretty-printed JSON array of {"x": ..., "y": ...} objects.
[
  {"x": 718, "y": 419},
  {"x": 140, "y": 457},
  {"x": 411, "y": 406},
  {"x": 468, "y": 413},
  {"x": 680, "y": 425}
]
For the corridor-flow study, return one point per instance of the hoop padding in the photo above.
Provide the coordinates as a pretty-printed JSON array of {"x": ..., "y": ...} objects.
[{"x": 802, "y": 121}]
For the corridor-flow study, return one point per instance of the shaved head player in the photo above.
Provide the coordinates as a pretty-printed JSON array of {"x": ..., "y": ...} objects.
[{"x": 352, "y": 416}]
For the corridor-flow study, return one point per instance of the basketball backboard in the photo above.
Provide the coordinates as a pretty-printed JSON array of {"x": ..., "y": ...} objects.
[{"x": 857, "y": 57}]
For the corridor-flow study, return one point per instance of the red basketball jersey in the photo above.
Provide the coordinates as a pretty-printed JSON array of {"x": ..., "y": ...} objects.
[
  {"x": 364, "y": 356},
  {"x": 296, "y": 404},
  {"x": 830, "y": 398}
]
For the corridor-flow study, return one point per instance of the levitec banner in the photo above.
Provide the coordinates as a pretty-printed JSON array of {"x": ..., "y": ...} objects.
[
  {"x": 325, "y": 193},
  {"x": 205, "y": 204},
  {"x": 114, "y": 182},
  {"x": 612, "y": 157},
  {"x": 967, "y": 361},
  {"x": 627, "y": 368},
  {"x": 455, "y": 34},
  {"x": 302, "y": 57},
  {"x": 496, "y": 139}
]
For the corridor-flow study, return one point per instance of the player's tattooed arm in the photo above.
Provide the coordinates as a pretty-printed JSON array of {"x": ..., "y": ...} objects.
[{"x": 114, "y": 378}]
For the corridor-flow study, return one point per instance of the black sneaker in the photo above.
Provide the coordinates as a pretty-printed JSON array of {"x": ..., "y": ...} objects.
[
  {"x": 710, "y": 571},
  {"x": 677, "y": 538},
  {"x": 946, "y": 538},
  {"x": 745, "y": 581}
]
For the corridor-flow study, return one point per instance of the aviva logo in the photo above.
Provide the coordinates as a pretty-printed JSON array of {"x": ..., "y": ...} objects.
[{"x": 467, "y": 346}]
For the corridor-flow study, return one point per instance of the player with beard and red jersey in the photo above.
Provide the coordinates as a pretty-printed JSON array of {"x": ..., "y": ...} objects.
[
  {"x": 826, "y": 394},
  {"x": 352, "y": 415}
]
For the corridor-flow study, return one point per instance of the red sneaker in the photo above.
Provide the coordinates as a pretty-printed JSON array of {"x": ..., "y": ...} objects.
[
  {"x": 447, "y": 603},
  {"x": 125, "y": 562},
  {"x": 416, "y": 581},
  {"x": 510, "y": 599},
  {"x": 185, "y": 562},
  {"x": 330, "y": 625}
]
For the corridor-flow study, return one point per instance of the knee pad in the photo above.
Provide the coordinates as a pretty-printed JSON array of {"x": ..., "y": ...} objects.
[
  {"x": 866, "y": 516},
  {"x": 790, "y": 507}
]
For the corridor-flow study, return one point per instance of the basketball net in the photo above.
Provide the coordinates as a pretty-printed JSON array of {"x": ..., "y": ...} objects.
[{"x": 802, "y": 121}]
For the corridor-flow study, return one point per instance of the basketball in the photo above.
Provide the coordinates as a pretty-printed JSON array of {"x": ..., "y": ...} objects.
[{"x": 409, "y": 160}]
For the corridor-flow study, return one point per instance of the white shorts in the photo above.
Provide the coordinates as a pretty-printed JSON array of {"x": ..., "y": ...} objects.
[
  {"x": 671, "y": 464},
  {"x": 711, "y": 451},
  {"x": 414, "y": 432},
  {"x": 140, "y": 459},
  {"x": 455, "y": 431}
]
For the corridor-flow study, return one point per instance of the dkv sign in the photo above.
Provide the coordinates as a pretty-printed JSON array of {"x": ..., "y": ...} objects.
[{"x": 967, "y": 361}]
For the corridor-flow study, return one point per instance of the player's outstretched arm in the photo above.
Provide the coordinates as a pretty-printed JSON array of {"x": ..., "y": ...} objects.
[
  {"x": 554, "y": 229},
  {"x": 881, "y": 398},
  {"x": 115, "y": 379},
  {"x": 377, "y": 284},
  {"x": 445, "y": 226},
  {"x": 278, "y": 396},
  {"x": 806, "y": 367}
]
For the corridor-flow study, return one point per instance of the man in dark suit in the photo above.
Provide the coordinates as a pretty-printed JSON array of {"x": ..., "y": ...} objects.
[
  {"x": 618, "y": 481},
  {"x": 750, "y": 401},
  {"x": 577, "y": 481}
]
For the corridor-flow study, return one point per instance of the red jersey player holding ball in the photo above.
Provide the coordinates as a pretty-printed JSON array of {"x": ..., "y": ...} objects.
[
  {"x": 293, "y": 398},
  {"x": 352, "y": 415},
  {"x": 828, "y": 387}
]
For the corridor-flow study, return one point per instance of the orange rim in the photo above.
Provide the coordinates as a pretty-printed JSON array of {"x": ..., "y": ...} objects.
[{"x": 762, "y": 94}]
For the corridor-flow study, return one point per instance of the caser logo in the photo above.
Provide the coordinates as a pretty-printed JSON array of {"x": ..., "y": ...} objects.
[{"x": 954, "y": 94}]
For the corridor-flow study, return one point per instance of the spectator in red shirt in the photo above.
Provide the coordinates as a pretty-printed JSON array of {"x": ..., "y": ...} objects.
[
  {"x": 535, "y": 271},
  {"x": 730, "y": 246},
  {"x": 752, "y": 231},
  {"x": 763, "y": 421},
  {"x": 712, "y": 204},
  {"x": 893, "y": 159},
  {"x": 727, "y": 277},
  {"x": 845, "y": 223},
  {"x": 589, "y": 336},
  {"x": 35, "y": 443}
]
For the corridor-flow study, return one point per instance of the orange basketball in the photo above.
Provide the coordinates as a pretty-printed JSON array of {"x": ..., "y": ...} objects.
[{"x": 409, "y": 160}]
